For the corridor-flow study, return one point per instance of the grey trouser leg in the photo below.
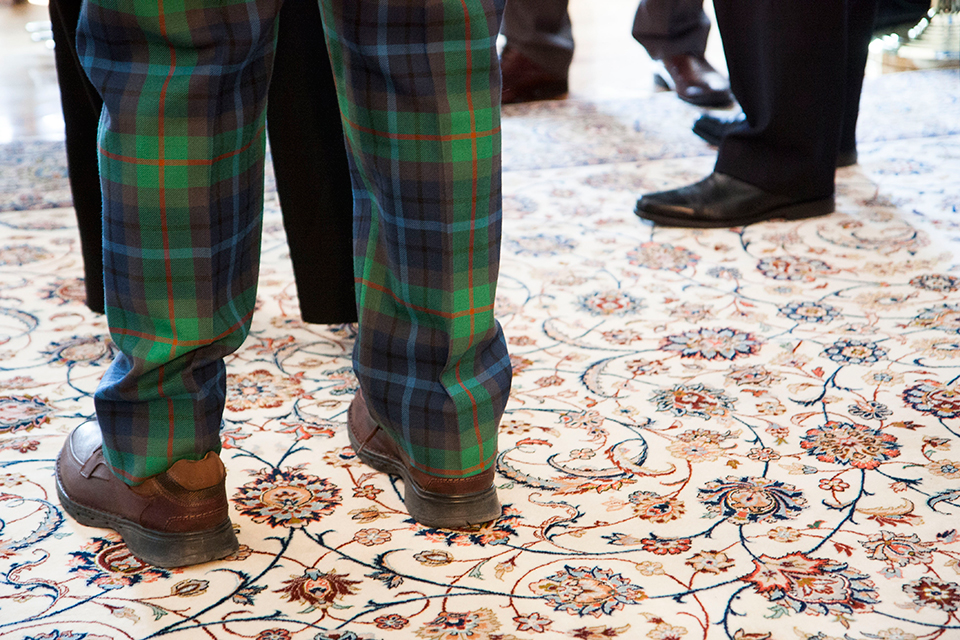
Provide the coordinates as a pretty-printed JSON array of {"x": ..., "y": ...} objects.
[
  {"x": 666, "y": 28},
  {"x": 540, "y": 30}
]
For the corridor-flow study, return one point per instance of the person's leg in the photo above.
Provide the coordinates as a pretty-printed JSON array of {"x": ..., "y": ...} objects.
[
  {"x": 538, "y": 51},
  {"x": 786, "y": 62},
  {"x": 861, "y": 15},
  {"x": 313, "y": 177},
  {"x": 674, "y": 33},
  {"x": 541, "y": 31},
  {"x": 181, "y": 142},
  {"x": 666, "y": 28},
  {"x": 81, "y": 115},
  {"x": 419, "y": 92},
  {"x": 786, "y": 70},
  {"x": 181, "y": 163},
  {"x": 855, "y": 31}
]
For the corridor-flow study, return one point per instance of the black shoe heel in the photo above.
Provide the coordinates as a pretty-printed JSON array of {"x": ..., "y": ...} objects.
[{"x": 803, "y": 210}]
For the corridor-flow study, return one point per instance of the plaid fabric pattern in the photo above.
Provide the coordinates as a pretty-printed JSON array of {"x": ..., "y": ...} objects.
[
  {"x": 184, "y": 84},
  {"x": 421, "y": 114}
]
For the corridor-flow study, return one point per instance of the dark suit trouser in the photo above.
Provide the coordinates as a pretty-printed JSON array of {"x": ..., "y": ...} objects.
[
  {"x": 310, "y": 164},
  {"x": 667, "y": 28},
  {"x": 796, "y": 68},
  {"x": 81, "y": 114},
  {"x": 312, "y": 174},
  {"x": 541, "y": 30}
]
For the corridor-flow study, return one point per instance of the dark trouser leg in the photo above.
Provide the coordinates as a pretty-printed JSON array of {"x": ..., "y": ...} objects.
[
  {"x": 786, "y": 62},
  {"x": 313, "y": 176},
  {"x": 81, "y": 115},
  {"x": 667, "y": 28},
  {"x": 861, "y": 15},
  {"x": 540, "y": 30}
]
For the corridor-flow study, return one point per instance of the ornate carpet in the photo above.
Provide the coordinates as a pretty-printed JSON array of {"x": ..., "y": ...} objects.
[{"x": 728, "y": 434}]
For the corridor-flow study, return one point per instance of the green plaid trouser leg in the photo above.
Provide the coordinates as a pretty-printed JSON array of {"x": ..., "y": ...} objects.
[{"x": 184, "y": 85}]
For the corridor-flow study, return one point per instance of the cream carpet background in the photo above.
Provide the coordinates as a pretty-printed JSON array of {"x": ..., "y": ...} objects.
[{"x": 728, "y": 434}]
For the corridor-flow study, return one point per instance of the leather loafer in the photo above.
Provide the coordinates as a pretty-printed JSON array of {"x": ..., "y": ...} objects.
[
  {"x": 525, "y": 81},
  {"x": 174, "y": 519},
  {"x": 713, "y": 128},
  {"x": 694, "y": 80},
  {"x": 720, "y": 201},
  {"x": 433, "y": 501}
]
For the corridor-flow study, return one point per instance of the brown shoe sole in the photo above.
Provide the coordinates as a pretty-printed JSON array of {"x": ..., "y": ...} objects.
[
  {"x": 158, "y": 548},
  {"x": 430, "y": 509}
]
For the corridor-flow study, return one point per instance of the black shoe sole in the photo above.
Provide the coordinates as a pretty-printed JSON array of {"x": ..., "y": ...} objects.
[
  {"x": 158, "y": 548},
  {"x": 796, "y": 211},
  {"x": 431, "y": 509}
]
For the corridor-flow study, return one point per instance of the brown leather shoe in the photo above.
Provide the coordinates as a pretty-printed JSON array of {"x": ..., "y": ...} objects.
[
  {"x": 177, "y": 518},
  {"x": 433, "y": 501},
  {"x": 694, "y": 80},
  {"x": 525, "y": 81}
]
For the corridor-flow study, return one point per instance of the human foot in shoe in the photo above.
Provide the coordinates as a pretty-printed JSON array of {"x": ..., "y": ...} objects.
[
  {"x": 433, "y": 501},
  {"x": 720, "y": 201},
  {"x": 174, "y": 519},
  {"x": 694, "y": 80}
]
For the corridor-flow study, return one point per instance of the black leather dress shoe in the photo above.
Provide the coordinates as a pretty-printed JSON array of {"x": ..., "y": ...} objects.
[
  {"x": 713, "y": 128},
  {"x": 694, "y": 80},
  {"x": 720, "y": 201}
]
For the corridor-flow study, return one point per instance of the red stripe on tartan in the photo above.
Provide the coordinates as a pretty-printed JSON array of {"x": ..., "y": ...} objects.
[
  {"x": 161, "y": 162},
  {"x": 131, "y": 479},
  {"x": 473, "y": 216},
  {"x": 473, "y": 403},
  {"x": 432, "y": 312},
  {"x": 182, "y": 343},
  {"x": 161, "y": 124}
]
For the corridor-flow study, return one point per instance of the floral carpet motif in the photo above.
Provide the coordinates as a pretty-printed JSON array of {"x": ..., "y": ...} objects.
[
  {"x": 33, "y": 175},
  {"x": 729, "y": 434}
]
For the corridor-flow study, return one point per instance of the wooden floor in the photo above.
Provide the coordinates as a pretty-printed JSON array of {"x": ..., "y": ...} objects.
[
  {"x": 29, "y": 98},
  {"x": 608, "y": 63}
]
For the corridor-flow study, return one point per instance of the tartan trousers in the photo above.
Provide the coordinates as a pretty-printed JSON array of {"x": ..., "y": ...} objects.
[{"x": 181, "y": 154}]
